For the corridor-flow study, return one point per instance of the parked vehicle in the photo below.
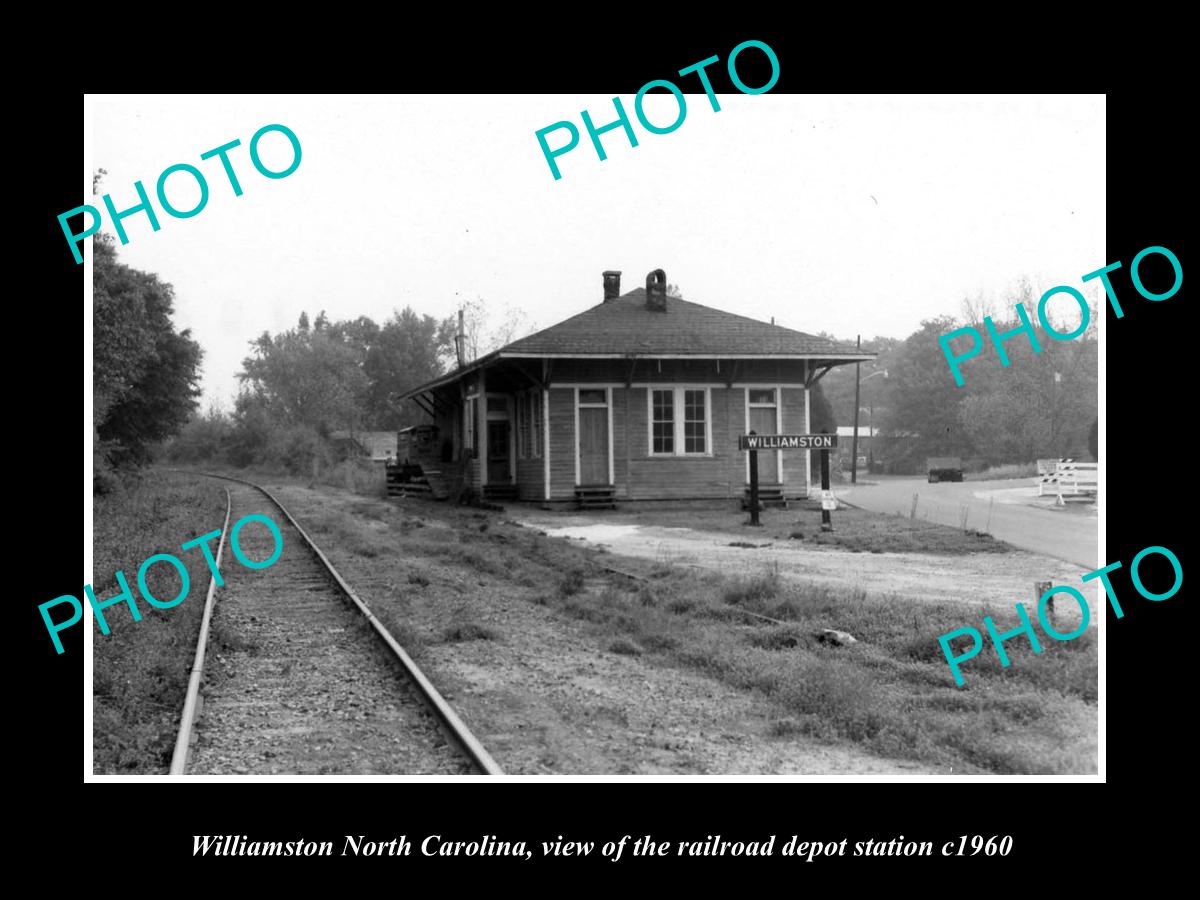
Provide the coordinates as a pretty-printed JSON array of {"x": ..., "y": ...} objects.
[{"x": 944, "y": 468}]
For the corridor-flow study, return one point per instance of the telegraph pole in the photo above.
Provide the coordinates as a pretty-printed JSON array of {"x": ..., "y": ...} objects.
[{"x": 854, "y": 440}]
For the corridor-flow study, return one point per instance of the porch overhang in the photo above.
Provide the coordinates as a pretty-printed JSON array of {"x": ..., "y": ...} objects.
[{"x": 817, "y": 362}]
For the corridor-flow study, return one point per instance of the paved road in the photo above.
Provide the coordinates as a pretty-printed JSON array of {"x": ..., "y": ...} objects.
[{"x": 999, "y": 507}]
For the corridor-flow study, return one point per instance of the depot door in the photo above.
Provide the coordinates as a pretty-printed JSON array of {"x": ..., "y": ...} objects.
[
  {"x": 593, "y": 437},
  {"x": 762, "y": 420},
  {"x": 497, "y": 462}
]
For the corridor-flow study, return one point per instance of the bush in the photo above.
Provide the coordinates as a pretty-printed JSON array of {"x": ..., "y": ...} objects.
[{"x": 204, "y": 439}]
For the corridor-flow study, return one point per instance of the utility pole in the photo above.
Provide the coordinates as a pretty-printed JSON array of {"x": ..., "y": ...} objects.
[
  {"x": 854, "y": 440},
  {"x": 1054, "y": 414}
]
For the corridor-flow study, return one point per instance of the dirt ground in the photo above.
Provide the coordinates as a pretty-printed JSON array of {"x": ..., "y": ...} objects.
[
  {"x": 541, "y": 690},
  {"x": 982, "y": 580}
]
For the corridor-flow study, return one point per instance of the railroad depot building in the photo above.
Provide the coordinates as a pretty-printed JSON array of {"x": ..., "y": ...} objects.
[{"x": 641, "y": 397}]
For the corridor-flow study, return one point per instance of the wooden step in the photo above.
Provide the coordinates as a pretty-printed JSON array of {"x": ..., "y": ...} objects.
[
  {"x": 596, "y": 497},
  {"x": 408, "y": 489}
]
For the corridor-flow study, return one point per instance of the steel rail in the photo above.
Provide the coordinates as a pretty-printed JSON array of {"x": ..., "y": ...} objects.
[
  {"x": 191, "y": 702},
  {"x": 452, "y": 725}
]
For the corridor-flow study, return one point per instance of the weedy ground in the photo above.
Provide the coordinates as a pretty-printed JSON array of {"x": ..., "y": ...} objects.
[
  {"x": 141, "y": 668},
  {"x": 891, "y": 693}
]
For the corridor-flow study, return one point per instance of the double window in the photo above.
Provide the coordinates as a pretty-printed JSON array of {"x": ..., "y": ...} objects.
[{"x": 679, "y": 421}]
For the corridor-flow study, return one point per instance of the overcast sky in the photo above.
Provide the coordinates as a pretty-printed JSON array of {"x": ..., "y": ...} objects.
[{"x": 840, "y": 214}]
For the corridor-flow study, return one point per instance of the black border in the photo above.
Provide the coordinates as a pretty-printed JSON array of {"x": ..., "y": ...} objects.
[{"x": 1146, "y": 695}]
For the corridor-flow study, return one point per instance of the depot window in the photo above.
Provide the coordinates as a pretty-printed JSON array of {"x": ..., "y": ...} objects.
[{"x": 680, "y": 421}]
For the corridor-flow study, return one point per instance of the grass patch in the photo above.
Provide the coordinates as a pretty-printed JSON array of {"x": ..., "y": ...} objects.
[
  {"x": 680, "y": 604},
  {"x": 571, "y": 583},
  {"x": 860, "y": 531},
  {"x": 141, "y": 668},
  {"x": 891, "y": 693},
  {"x": 856, "y": 530},
  {"x": 625, "y": 647},
  {"x": 753, "y": 589}
]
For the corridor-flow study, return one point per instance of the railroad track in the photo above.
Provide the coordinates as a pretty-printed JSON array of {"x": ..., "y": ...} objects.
[{"x": 294, "y": 674}]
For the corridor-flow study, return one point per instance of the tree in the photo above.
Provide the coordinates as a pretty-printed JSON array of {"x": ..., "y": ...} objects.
[
  {"x": 407, "y": 351},
  {"x": 1039, "y": 405},
  {"x": 144, "y": 373},
  {"x": 924, "y": 403},
  {"x": 340, "y": 375},
  {"x": 839, "y": 382},
  {"x": 307, "y": 376},
  {"x": 821, "y": 420},
  {"x": 204, "y": 438},
  {"x": 489, "y": 328}
]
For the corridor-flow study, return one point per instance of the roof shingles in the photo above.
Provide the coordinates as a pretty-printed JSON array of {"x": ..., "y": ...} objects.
[{"x": 626, "y": 326}]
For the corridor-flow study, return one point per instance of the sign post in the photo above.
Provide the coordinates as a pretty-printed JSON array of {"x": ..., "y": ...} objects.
[
  {"x": 753, "y": 442},
  {"x": 754, "y": 486},
  {"x": 826, "y": 495}
]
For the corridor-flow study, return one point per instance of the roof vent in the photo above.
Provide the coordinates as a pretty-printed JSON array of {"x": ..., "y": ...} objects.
[
  {"x": 656, "y": 291},
  {"x": 612, "y": 285}
]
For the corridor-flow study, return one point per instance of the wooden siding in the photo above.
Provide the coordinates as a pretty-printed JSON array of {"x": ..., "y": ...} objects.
[
  {"x": 793, "y": 460},
  {"x": 637, "y": 475},
  {"x": 562, "y": 443},
  {"x": 670, "y": 371},
  {"x": 720, "y": 475},
  {"x": 623, "y": 403},
  {"x": 530, "y": 477}
]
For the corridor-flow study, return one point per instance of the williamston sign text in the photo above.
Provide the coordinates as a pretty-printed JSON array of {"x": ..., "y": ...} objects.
[{"x": 787, "y": 441}]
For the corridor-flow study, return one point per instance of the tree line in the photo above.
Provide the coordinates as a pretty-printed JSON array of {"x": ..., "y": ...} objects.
[
  {"x": 145, "y": 374},
  {"x": 299, "y": 386},
  {"x": 1043, "y": 404}
]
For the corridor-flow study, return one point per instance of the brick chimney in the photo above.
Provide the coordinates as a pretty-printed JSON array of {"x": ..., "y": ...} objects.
[
  {"x": 656, "y": 291},
  {"x": 612, "y": 285}
]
